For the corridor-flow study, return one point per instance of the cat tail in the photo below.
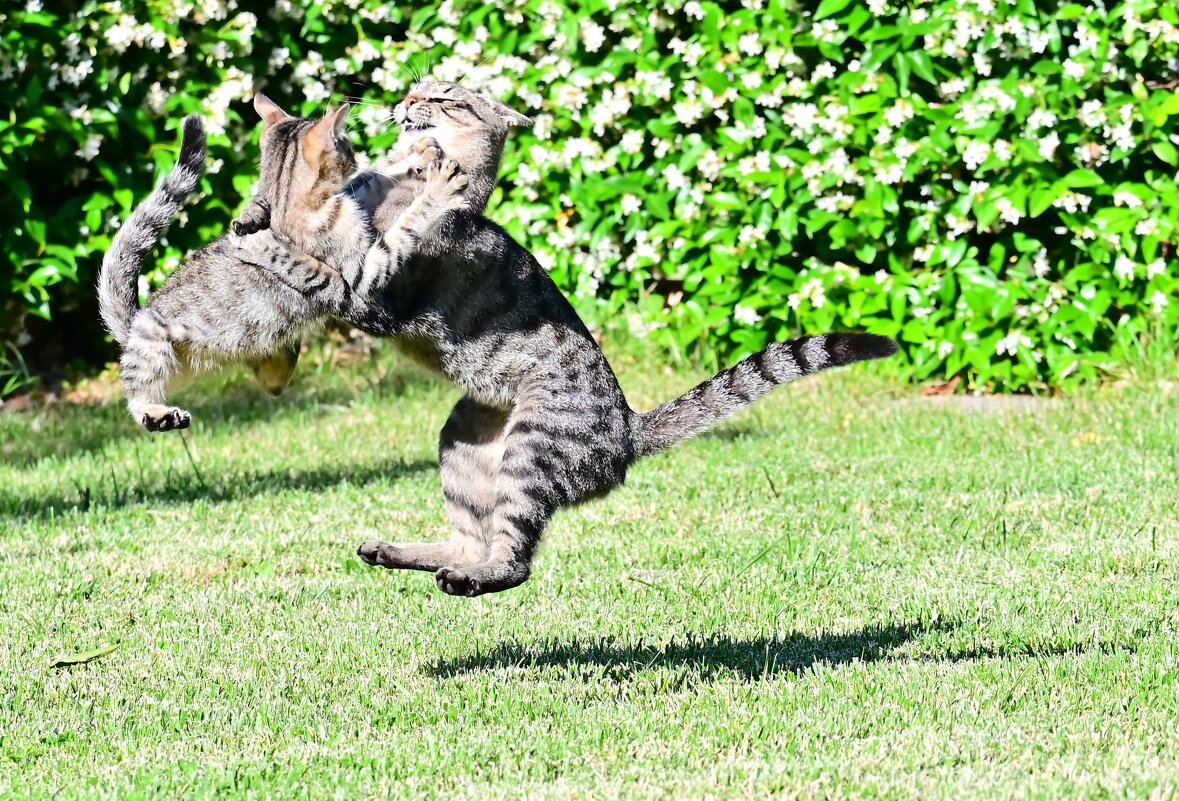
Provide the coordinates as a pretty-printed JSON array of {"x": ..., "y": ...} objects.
[
  {"x": 733, "y": 389},
  {"x": 118, "y": 279}
]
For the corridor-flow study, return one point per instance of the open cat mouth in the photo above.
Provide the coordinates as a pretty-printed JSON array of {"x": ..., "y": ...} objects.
[{"x": 410, "y": 125}]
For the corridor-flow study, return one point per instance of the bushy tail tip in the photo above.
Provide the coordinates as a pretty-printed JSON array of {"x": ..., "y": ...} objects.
[{"x": 851, "y": 348}]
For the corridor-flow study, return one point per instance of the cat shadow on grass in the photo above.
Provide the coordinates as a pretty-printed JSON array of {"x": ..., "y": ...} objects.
[
  {"x": 748, "y": 658},
  {"x": 216, "y": 488},
  {"x": 63, "y": 429}
]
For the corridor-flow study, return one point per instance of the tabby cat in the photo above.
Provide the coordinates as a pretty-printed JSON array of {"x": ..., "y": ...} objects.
[
  {"x": 543, "y": 423},
  {"x": 250, "y": 300}
]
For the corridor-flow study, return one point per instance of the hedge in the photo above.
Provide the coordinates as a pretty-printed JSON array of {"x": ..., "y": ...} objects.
[{"x": 991, "y": 181}]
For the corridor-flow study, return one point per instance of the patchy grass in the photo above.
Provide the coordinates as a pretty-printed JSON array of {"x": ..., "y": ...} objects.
[{"x": 841, "y": 594}]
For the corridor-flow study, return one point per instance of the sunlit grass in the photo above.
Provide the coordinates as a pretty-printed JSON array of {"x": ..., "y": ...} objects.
[{"x": 847, "y": 592}]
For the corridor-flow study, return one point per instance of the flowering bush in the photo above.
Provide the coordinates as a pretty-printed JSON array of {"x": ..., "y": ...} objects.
[{"x": 991, "y": 181}]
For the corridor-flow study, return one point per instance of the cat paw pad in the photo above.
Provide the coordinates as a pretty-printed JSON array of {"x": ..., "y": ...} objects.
[
  {"x": 455, "y": 581},
  {"x": 171, "y": 419}
]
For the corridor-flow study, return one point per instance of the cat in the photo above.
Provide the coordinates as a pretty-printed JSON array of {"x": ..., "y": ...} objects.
[
  {"x": 543, "y": 423},
  {"x": 251, "y": 300}
]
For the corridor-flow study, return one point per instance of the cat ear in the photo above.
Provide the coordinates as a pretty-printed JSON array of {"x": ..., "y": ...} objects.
[
  {"x": 324, "y": 133},
  {"x": 511, "y": 117},
  {"x": 268, "y": 110},
  {"x": 339, "y": 118}
]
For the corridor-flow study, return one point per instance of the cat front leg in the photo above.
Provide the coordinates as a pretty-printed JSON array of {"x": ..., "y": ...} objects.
[
  {"x": 443, "y": 185},
  {"x": 442, "y": 192},
  {"x": 411, "y": 161},
  {"x": 254, "y": 217}
]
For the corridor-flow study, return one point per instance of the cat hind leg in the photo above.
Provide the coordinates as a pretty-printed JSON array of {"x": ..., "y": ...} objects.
[
  {"x": 274, "y": 371},
  {"x": 470, "y": 450},
  {"x": 148, "y": 364}
]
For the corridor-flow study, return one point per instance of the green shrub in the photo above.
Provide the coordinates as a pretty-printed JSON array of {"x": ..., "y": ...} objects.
[{"x": 991, "y": 181}]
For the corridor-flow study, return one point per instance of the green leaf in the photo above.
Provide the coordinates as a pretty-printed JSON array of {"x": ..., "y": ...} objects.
[
  {"x": 922, "y": 65},
  {"x": 84, "y": 656},
  {"x": 1165, "y": 151},
  {"x": 1080, "y": 179},
  {"x": 829, "y": 7}
]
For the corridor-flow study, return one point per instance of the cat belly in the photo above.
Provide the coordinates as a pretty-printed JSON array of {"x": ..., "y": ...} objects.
[{"x": 421, "y": 350}]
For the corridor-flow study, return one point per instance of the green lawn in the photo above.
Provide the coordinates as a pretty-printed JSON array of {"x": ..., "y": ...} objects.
[{"x": 848, "y": 592}]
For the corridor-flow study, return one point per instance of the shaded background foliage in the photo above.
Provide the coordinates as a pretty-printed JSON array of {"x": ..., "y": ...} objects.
[{"x": 993, "y": 182}]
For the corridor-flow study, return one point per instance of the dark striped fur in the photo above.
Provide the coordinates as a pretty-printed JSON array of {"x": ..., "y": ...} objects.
[
  {"x": 251, "y": 299},
  {"x": 543, "y": 423}
]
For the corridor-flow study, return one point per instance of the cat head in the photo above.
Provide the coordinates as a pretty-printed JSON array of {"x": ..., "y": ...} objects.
[
  {"x": 469, "y": 127},
  {"x": 304, "y": 160}
]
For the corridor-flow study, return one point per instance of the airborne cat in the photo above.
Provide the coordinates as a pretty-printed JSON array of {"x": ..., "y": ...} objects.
[
  {"x": 543, "y": 423},
  {"x": 250, "y": 300}
]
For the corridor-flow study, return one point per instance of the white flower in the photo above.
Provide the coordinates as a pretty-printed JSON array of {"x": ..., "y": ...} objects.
[
  {"x": 1008, "y": 212},
  {"x": 975, "y": 154},
  {"x": 693, "y": 9},
  {"x": 1041, "y": 119},
  {"x": 1092, "y": 153},
  {"x": 632, "y": 142},
  {"x": 952, "y": 88},
  {"x": 674, "y": 177},
  {"x": 1011, "y": 343},
  {"x": 710, "y": 165},
  {"x": 1048, "y": 145},
  {"x": 1092, "y": 113},
  {"x": 813, "y": 291},
  {"x": 630, "y": 204},
  {"x": 745, "y": 315},
  {"x": 1040, "y": 264},
  {"x": 750, "y": 234},
  {"x": 1156, "y": 267},
  {"x": 751, "y": 80},
  {"x": 823, "y": 71},
  {"x": 1003, "y": 150},
  {"x": 1072, "y": 201},
  {"x": 1127, "y": 199},
  {"x": 1074, "y": 69},
  {"x": 878, "y": 7},
  {"x": 898, "y": 113},
  {"x": 593, "y": 36},
  {"x": 945, "y": 349},
  {"x": 892, "y": 174},
  {"x": 689, "y": 110},
  {"x": 1158, "y": 302},
  {"x": 749, "y": 44},
  {"x": 1146, "y": 227},
  {"x": 91, "y": 147},
  {"x": 1123, "y": 268}
]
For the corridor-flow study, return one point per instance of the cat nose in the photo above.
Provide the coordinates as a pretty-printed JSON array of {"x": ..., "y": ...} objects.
[{"x": 410, "y": 100}]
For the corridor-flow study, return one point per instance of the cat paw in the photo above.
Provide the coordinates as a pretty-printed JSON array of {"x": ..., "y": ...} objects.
[
  {"x": 164, "y": 418},
  {"x": 422, "y": 153},
  {"x": 373, "y": 552},
  {"x": 254, "y": 218},
  {"x": 423, "y": 145},
  {"x": 446, "y": 183},
  {"x": 455, "y": 581}
]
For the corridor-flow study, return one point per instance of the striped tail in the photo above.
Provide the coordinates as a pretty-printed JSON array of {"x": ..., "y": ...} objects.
[
  {"x": 118, "y": 280},
  {"x": 731, "y": 390}
]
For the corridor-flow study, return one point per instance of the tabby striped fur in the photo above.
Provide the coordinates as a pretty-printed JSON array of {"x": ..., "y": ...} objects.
[
  {"x": 543, "y": 423},
  {"x": 251, "y": 299}
]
